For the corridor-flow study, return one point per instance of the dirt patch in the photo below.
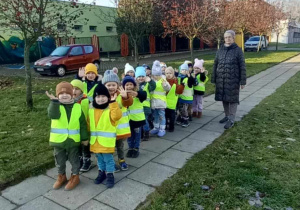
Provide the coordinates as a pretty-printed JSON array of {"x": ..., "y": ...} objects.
[{"x": 5, "y": 83}]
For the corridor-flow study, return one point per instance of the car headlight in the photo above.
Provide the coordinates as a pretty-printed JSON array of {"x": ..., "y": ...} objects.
[
  {"x": 48, "y": 64},
  {"x": 35, "y": 63}
]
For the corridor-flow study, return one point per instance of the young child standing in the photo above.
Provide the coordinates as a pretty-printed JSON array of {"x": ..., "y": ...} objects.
[
  {"x": 90, "y": 78},
  {"x": 172, "y": 97},
  {"x": 112, "y": 82},
  {"x": 186, "y": 98},
  {"x": 80, "y": 98},
  {"x": 159, "y": 100},
  {"x": 103, "y": 121},
  {"x": 136, "y": 116},
  {"x": 68, "y": 131},
  {"x": 148, "y": 85},
  {"x": 199, "y": 88},
  {"x": 148, "y": 70},
  {"x": 128, "y": 71}
]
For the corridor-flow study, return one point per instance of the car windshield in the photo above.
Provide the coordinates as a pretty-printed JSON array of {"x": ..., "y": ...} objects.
[
  {"x": 254, "y": 39},
  {"x": 60, "y": 51}
]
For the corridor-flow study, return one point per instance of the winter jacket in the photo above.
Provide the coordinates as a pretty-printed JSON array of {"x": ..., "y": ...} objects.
[
  {"x": 142, "y": 96},
  {"x": 229, "y": 72},
  {"x": 90, "y": 84},
  {"x": 160, "y": 104},
  {"x": 151, "y": 87},
  {"x": 191, "y": 83},
  {"x": 202, "y": 79}
]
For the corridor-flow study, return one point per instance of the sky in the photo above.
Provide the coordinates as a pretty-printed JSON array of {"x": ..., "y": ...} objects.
[{"x": 107, "y": 3}]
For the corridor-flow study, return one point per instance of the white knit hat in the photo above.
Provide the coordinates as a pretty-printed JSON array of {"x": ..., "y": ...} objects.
[
  {"x": 128, "y": 68},
  {"x": 156, "y": 69}
]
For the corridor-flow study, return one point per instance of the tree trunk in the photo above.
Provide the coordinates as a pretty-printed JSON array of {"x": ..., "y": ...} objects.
[
  {"x": 277, "y": 37},
  {"x": 259, "y": 43},
  {"x": 192, "y": 48},
  {"x": 29, "y": 100},
  {"x": 219, "y": 42},
  {"x": 136, "y": 53}
]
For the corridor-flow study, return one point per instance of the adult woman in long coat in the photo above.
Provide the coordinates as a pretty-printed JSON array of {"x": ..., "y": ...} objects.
[{"x": 229, "y": 75}]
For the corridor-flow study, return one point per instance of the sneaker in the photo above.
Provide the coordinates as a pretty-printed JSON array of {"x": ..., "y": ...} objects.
[
  {"x": 123, "y": 165},
  {"x": 229, "y": 124},
  {"x": 161, "y": 133},
  {"x": 135, "y": 153},
  {"x": 225, "y": 119},
  {"x": 87, "y": 163},
  {"x": 185, "y": 123},
  {"x": 129, "y": 153},
  {"x": 117, "y": 168},
  {"x": 154, "y": 131},
  {"x": 80, "y": 162},
  {"x": 100, "y": 178},
  {"x": 146, "y": 136},
  {"x": 179, "y": 120},
  {"x": 110, "y": 182}
]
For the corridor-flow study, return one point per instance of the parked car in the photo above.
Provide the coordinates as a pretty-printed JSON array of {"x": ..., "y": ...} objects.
[
  {"x": 253, "y": 42},
  {"x": 67, "y": 58}
]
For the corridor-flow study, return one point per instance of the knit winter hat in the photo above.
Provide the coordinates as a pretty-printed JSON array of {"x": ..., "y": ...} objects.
[
  {"x": 78, "y": 83},
  {"x": 110, "y": 76},
  {"x": 128, "y": 79},
  {"x": 64, "y": 87},
  {"x": 101, "y": 90},
  {"x": 128, "y": 68},
  {"x": 162, "y": 64},
  {"x": 199, "y": 63},
  {"x": 184, "y": 67},
  {"x": 156, "y": 69},
  {"x": 146, "y": 67},
  {"x": 90, "y": 67},
  {"x": 140, "y": 72}
]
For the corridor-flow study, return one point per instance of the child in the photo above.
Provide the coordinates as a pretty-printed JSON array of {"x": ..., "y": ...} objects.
[
  {"x": 80, "y": 98},
  {"x": 136, "y": 116},
  {"x": 163, "y": 67},
  {"x": 148, "y": 70},
  {"x": 159, "y": 100},
  {"x": 186, "y": 98},
  {"x": 172, "y": 97},
  {"x": 190, "y": 107},
  {"x": 199, "y": 88},
  {"x": 128, "y": 71},
  {"x": 111, "y": 82},
  {"x": 103, "y": 121},
  {"x": 148, "y": 85},
  {"x": 190, "y": 65},
  {"x": 68, "y": 130},
  {"x": 90, "y": 78}
]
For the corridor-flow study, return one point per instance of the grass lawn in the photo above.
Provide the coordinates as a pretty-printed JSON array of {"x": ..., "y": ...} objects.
[
  {"x": 295, "y": 45},
  {"x": 24, "y": 135},
  {"x": 239, "y": 163}
]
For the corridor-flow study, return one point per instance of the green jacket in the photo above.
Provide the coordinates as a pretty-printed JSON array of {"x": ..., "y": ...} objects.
[{"x": 54, "y": 113}]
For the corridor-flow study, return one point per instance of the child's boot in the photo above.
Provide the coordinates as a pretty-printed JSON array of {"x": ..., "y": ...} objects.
[
  {"x": 179, "y": 120},
  {"x": 194, "y": 114},
  {"x": 185, "y": 123},
  {"x": 110, "y": 182},
  {"x": 162, "y": 131},
  {"x": 123, "y": 165},
  {"x": 61, "y": 180},
  {"x": 87, "y": 163},
  {"x": 129, "y": 153},
  {"x": 73, "y": 182},
  {"x": 135, "y": 153},
  {"x": 199, "y": 115},
  {"x": 146, "y": 136},
  {"x": 155, "y": 130},
  {"x": 100, "y": 178}
]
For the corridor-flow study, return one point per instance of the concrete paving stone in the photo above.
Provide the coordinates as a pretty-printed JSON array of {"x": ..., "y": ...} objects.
[
  {"x": 205, "y": 135},
  {"x": 157, "y": 145},
  {"x": 249, "y": 103},
  {"x": 144, "y": 157},
  {"x": 177, "y": 135},
  {"x": 214, "y": 126},
  {"x": 252, "y": 98},
  {"x": 173, "y": 158},
  {"x": 215, "y": 107},
  {"x": 152, "y": 174},
  {"x": 78, "y": 196},
  {"x": 94, "y": 205},
  {"x": 239, "y": 115},
  {"x": 41, "y": 203},
  {"x": 127, "y": 194},
  {"x": 92, "y": 174},
  {"x": 211, "y": 113},
  {"x": 191, "y": 128},
  {"x": 210, "y": 98},
  {"x": 29, "y": 189},
  {"x": 263, "y": 95},
  {"x": 203, "y": 120},
  {"x": 245, "y": 108},
  {"x": 208, "y": 103},
  {"x": 6, "y": 204},
  {"x": 191, "y": 145}
]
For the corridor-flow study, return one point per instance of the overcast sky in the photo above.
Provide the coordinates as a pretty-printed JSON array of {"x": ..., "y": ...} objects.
[{"x": 107, "y": 3}]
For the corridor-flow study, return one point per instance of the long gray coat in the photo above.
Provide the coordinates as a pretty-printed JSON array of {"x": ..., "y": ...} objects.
[{"x": 229, "y": 73}]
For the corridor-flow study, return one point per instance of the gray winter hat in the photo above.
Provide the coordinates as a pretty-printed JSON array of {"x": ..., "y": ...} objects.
[
  {"x": 156, "y": 69},
  {"x": 110, "y": 76}
]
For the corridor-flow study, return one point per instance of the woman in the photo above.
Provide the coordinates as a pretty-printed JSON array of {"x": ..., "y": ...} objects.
[{"x": 229, "y": 75}]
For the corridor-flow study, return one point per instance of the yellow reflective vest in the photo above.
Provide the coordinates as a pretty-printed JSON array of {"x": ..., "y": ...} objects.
[
  {"x": 172, "y": 98},
  {"x": 85, "y": 107},
  {"x": 123, "y": 127},
  {"x": 61, "y": 129},
  {"x": 146, "y": 103},
  {"x": 90, "y": 93},
  {"x": 201, "y": 85},
  {"x": 188, "y": 92},
  {"x": 136, "y": 111},
  {"x": 159, "y": 92}
]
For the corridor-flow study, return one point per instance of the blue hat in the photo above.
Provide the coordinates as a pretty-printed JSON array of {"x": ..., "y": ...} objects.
[
  {"x": 140, "y": 72},
  {"x": 146, "y": 67},
  {"x": 184, "y": 67},
  {"x": 128, "y": 79}
]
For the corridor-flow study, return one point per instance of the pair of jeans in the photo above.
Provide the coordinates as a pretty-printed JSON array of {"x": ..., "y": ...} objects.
[
  {"x": 135, "y": 139},
  {"x": 170, "y": 118},
  {"x": 159, "y": 119},
  {"x": 105, "y": 162},
  {"x": 198, "y": 103},
  {"x": 120, "y": 148},
  {"x": 183, "y": 109},
  {"x": 146, "y": 127},
  {"x": 62, "y": 155}
]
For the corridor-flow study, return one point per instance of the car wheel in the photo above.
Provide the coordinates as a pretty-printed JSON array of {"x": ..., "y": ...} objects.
[
  {"x": 97, "y": 63},
  {"x": 61, "y": 71}
]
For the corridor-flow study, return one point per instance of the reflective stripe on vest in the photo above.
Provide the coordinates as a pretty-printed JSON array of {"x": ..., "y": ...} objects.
[
  {"x": 123, "y": 127},
  {"x": 136, "y": 111},
  {"x": 90, "y": 93},
  {"x": 61, "y": 129},
  {"x": 188, "y": 92},
  {"x": 159, "y": 92},
  {"x": 105, "y": 132},
  {"x": 172, "y": 98},
  {"x": 201, "y": 85},
  {"x": 146, "y": 103}
]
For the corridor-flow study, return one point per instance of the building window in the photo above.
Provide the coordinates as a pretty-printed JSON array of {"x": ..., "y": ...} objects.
[
  {"x": 61, "y": 27},
  {"x": 78, "y": 27},
  {"x": 109, "y": 28},
  {"x": 296, "y": 34},
  {"x": 93, "y": 28}
]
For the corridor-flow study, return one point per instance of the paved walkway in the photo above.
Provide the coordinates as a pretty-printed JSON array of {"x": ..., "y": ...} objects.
[{"x": 159, "y": 158}]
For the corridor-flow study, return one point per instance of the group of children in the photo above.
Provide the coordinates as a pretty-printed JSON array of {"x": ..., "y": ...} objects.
[{"x": 98, "y": 114}]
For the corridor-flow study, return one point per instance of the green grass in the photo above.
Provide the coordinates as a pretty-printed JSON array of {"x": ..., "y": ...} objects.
[
  {"x": 295, "y": 45},
  {"x": 238, "y": 163},
  {"x": 24, "y": 135},
  {"x": 255, "y": 63}
]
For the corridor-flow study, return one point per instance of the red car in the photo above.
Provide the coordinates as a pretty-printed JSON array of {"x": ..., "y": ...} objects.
[{"x": 67, "y": 58}]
